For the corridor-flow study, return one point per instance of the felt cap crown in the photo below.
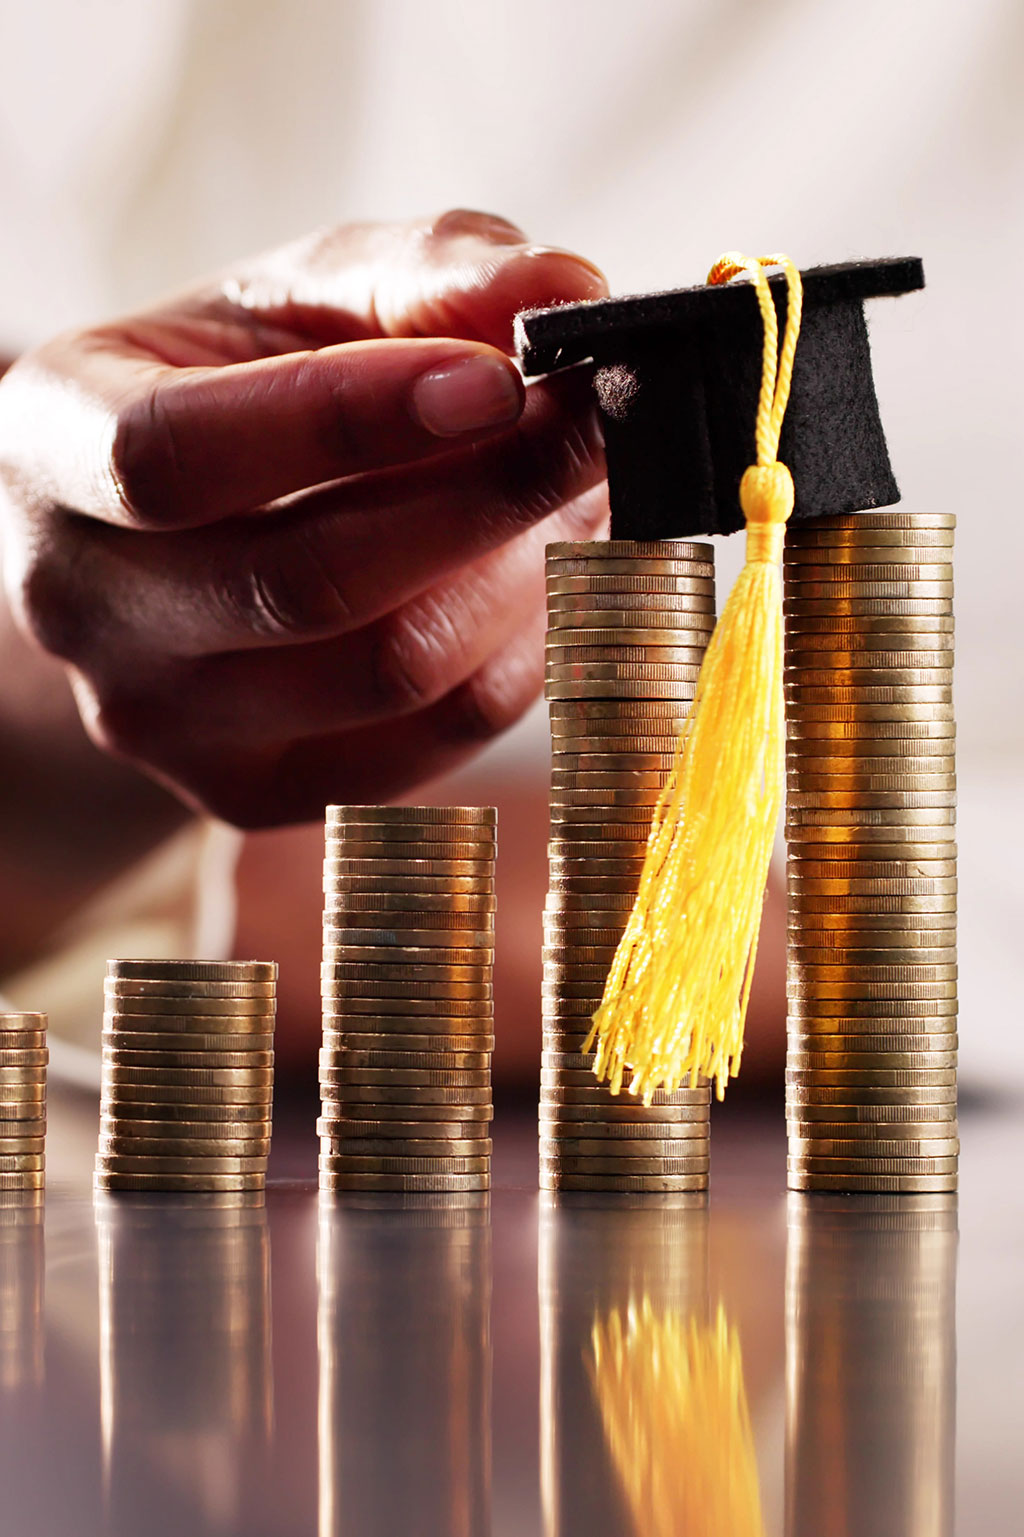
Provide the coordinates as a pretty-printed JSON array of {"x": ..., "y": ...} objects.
[{"x": 677, "y": 377}]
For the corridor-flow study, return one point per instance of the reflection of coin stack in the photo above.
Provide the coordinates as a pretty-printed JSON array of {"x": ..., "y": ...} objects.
[
  {"x": 628, "y": 625},
  {"x": 600, "y": 1267},
  {"x": 405, "y": 1370},
  {"x": 185, "y": 1357},
  {"x": 23, "y": 1058},
  {"x": 408, "y": 1010},
  {"x": 22, "y": 1268},
  {"x": 871, "y": 1078},
  {"x": 187, "y": 1075},
  {"x": 871, "y": 1366}
]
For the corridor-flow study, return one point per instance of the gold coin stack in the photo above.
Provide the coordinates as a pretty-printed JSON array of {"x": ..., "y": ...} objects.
[
  {"x": 871, "y": 825},
  {"x": 628, "y": 624},
  {"x": 23, "y": 1059},
  {"x": 187, "y": 1075},
  {"x": 408, "y": 998}
]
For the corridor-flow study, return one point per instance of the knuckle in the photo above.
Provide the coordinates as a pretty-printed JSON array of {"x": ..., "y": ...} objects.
[
  {"x": 43, "y": 601},
  {"x": 146, "y": 465},
  {"x": 288, "y": 593},
  {"x": 409, "y": 664},
  {"x": 474, "y": 221},
  {"x": 483, "y": 708}
]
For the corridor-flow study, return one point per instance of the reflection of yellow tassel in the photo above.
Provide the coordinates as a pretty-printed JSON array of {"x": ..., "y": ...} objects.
[
  {"x": 676, "y": 997},
  {"x": 674, "y": 1408}
]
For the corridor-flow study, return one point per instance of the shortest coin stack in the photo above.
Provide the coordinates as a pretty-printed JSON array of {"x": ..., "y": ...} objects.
[
  {"x": 408, "y": 1012},
  {"x": 23, "y": 1058},
  {"x": 187, "y": 1076}
]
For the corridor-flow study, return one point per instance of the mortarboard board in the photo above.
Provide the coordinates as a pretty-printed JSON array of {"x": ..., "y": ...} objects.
[
  {"x": 694, "y": 387},
  {"x": 677, "y": 378}
]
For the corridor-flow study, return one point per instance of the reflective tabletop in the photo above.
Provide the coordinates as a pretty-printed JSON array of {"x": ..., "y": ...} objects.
[{"x": 756, "y": 1363}]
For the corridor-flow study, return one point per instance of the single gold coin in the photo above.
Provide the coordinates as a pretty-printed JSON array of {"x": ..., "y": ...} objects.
[
  {"x": 695, "y": 1144},
  {"x": 600, "y": 604},
  {"x": 184, "y": 1076},
  {"x": 578, "y": 671},
  {"x": 344, "y": 864},
  {"x": 404, "y": 1076},
  {"x": 342, "y": 990},
  {"x": 472, "y": 946},
  {"x": 362, "y": 842},
  {"x": 600, "y": 1096},
  {"x": 635, "y": 1183},
  {"x": 428, "y": 1061},
  {"x": 800, "y": 903},
  {"x": 632, "y": 689},
  {"x": 871, "y": 1094},
  {"x": 630, "y": 549},
  {"x": 191, "y": 1095},
  {"x": 21, "y": 1163},
  {"x": 176, "y": 1007},
  {"x": 400, "y": 1093},
  {"x": 413, "y": 1147},
  {"x": 863, "y": 1077},
  {"x": 116, "y": 1145},
  {"x": 858, "y": 1139},
  {"x": 607, "y": 566},
  {"x": 870, "y": 1113},
  {"x": 27, "y": 1179},
  {"x": 931, "y": 619},
  {"x": 378, "y": 1007},
  {"x": 21, "y": 1091},
  {"x": 869, "y": 1061},
  {"x": 889, "y": 606},
  {"x": 864, "y": 951},
  {"x": 865, "y": 788},
  {"x": 137, "y": 1113},
  {"x": 419, "y": 902},
  {"x": 908, "y": 1008},
  {"x": 801, "y": 972},
  {"x": 431, "y": 956},
  {"x": 464, "y": 926},
  {"x": 408, "y": 1132},
  {"x": 470, "y": 1028},
  {"x": 617, "y": 717},
  {"x": 569, "y": 1163},
  {"x": 193, "y": 971},
  {"x": 630, "y": 1116},
  {"x": 861, "y": 734},
  {"x": 820, "y": 536},
  {"x": 558, "y": 654},
  {"x": 400, "y": 970},
  {"x": 193, "y": 1031},
  {"x": 347, "y": 1163},
  {"x": 801, "y": 868},
  {"x": 117, "y": 1056},
  {"x": 182, "y": 993},
  {"x": 849, "y": 586},
  {"x": 473, "y": 816},
  {"x": 616, "y": 583},
  {"x": 809, "y": 1164},
  {"x": 573, "y": 748},
  {"x": 867, "y": 1184},
  {"x": 113, "y": 1163},
  {"x": 178, "y": 1183},
  {"x": 337, "y": 889},
  {"x": 31, "y": 1060}
]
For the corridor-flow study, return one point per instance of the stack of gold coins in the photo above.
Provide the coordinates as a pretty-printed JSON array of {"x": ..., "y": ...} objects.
[
  {"x": 408, "y": 999},
  {"x": 23, "y": 1059},
  {"x": 628, "y": 624},
  {"x": 871, "y": 1072},
  {"x": 187, "y": 1076}
]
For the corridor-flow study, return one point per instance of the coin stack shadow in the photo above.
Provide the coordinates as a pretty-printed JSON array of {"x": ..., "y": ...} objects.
[
  {"x": 23, "y": 1059},
  {"x": 871, "y": 826},
  {"x": 408, "y": 999},
  {"x": 187, "y": 1075},
  {"x": 628, "y": 624}
]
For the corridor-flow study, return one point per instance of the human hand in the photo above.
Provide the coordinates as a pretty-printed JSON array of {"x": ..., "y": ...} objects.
[{"x": 286, "y": 530}]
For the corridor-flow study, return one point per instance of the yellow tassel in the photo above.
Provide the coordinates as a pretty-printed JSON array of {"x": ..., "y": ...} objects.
[
  {"x": 673, "y": 1404},
  {"x": 675, "y": 1001}
]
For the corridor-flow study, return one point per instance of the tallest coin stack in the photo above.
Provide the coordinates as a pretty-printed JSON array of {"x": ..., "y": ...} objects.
[
  {"x": 628, "y": 624},
  {"x": 871, "y": 825}
]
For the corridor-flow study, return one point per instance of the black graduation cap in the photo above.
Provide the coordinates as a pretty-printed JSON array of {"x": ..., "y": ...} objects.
[{"x": 677, "y": 377}]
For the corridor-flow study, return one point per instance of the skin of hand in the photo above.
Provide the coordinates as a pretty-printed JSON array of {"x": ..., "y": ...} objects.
[{"x": 285, "y": 531}]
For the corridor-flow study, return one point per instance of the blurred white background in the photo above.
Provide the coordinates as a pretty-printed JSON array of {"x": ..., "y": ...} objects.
[{"x": 144, "y": 143}]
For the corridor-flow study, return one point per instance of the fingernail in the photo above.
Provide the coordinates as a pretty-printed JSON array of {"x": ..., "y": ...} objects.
[{"x": 466, "y": 396}]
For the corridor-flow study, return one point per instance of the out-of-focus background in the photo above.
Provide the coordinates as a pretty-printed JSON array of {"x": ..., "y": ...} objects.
[{"x": 142, "y": 144}]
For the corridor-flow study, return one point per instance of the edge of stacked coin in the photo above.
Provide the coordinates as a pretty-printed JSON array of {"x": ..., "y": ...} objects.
[
  {"x": 871, "y": 825},
  {"x": 628, "y": 624},
  {"x": 23, "y": 1059},
  {"x": 187, "y": 1075},
  {"x": 408, "y": 999}
]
